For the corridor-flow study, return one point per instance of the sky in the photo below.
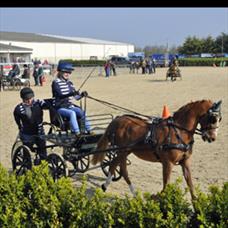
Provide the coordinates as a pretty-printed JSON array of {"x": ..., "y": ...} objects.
[{"x": 137, "y": 26}]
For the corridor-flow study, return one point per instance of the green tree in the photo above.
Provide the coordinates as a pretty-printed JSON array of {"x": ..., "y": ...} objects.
[
  {"x": 191, "y": 46},
  {"x": 208, "y": 45},
  {"x": 221, "y": 43}
]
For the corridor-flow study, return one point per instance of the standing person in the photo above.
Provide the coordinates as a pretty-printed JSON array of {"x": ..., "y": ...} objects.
[
  {"x": 38, "y": 73},
  {"x": 107, "y": 69},
  {"x": 64, "y": 91},
  {"x": 144, "y": 66},
  {"x": 28, "y": 116},
  {"x": 154, "y": 65},
  {"x": 113, "y": 67},
  {"x": 150, "y": 65}
]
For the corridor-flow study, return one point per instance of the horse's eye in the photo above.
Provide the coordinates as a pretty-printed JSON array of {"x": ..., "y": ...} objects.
[{"x": 212, "y": 119}]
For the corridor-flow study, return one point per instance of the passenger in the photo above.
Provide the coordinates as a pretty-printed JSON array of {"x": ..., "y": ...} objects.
[
  {"x": 26, "y": 72},
  {"x": 29, "y": 119},
  {"x": 63, "y": 91}
]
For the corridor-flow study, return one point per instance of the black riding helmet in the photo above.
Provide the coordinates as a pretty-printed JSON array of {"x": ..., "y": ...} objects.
[{"x": 26, "y": 93}]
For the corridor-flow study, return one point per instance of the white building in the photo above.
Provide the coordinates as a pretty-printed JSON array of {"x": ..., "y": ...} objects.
[{"x": 54, "y": 47}]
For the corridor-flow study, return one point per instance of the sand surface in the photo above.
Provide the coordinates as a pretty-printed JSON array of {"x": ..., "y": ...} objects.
[{"x": 146, "y": 94}]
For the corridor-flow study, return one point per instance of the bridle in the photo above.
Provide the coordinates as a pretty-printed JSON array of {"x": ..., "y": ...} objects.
[{"x": 211, "y": 117}]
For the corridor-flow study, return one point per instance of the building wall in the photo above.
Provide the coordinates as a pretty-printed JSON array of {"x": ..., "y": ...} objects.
[{"x": 53, "y": 52}]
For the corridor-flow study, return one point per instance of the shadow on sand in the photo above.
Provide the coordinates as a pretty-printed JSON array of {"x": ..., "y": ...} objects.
[{"x": 95, "y": 181}]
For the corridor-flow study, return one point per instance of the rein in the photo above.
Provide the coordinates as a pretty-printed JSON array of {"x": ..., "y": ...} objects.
[{"x": 117, "y": 107}]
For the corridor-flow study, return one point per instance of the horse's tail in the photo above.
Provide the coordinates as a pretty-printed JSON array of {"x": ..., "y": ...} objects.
[{"x": 101, "y": 145}]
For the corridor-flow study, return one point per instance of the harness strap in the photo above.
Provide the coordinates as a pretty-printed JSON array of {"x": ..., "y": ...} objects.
[
  {"x": 184, "y": 147},
  {"x": 168, "y": 146}
]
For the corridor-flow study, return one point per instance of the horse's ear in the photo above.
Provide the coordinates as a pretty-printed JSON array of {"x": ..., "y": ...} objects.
[{"x": 217, "y": 106}]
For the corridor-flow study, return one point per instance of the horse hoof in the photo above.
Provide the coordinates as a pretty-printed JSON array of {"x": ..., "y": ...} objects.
[
  {"x": 103, "y": 187},
  {"x": 154, "y": 197}
]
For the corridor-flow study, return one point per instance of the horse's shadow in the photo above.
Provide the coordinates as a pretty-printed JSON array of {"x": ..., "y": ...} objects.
[
  {"x": 92, "y": 179},
  {"x": 156, "y": 80}
]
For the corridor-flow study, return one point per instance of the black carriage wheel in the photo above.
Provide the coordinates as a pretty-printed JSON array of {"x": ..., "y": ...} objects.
[
  {"x": 106, "y": 163},
  {"x": 5, "y": 85},
  {"x": 27, "y": 83},
  {"x": 14, "y": 147},
  {"x": 21, "y": 160},
  {"x": 57, "y": 166},
  {"x": 82, "y": 165},
  {"x": 17, "y": 84},
  {"x": 173, "y": 78}
]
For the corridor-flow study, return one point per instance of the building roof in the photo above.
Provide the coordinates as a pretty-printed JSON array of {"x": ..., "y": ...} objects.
[
  {"x": 31, "y": 37},
  {"x": 48, "y": 38},
  {"x": 86, "y": 40},
  {"x": 11, "y": 48}
]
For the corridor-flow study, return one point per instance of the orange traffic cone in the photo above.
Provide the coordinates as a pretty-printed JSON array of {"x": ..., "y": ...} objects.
[{"x": 165, "y": 113}]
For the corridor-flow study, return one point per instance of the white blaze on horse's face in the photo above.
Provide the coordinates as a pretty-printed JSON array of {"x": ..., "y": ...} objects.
[
  {"x": 210, "y": 132},
  {"x": 210, "y": 123}
]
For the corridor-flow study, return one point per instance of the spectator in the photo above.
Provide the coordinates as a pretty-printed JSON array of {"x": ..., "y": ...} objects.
[
  {"x": 143, "y": 66},
  {"x": 107, "y": 69},
  {"x": 132, "y": 67},
  {"x": 112, "y": 68},
  {"x": 38, "y": 73},
  {"x": 153, "y": 65}
]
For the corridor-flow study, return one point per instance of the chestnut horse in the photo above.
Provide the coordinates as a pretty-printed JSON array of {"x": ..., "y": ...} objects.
[{"x": 168, "y": 141}]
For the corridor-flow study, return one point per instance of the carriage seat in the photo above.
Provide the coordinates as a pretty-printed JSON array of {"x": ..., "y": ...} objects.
[{"x": 56, "y": 119}]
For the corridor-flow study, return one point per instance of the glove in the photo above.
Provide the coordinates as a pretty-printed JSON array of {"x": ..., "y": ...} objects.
[
  {"x": 84, "y": 94},
  {"x": 76, "y": 93}
]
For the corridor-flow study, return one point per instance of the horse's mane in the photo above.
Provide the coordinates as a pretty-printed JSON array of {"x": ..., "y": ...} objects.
[{"x": 186, "y": 108}]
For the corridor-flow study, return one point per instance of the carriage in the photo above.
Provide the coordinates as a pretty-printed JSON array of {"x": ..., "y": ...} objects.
[
  {"x": 15, "y": 83},
  {"x": 173, "y": 73},
  {"x": 67, "y": 154},
  {"x": 162, "y": 140}
]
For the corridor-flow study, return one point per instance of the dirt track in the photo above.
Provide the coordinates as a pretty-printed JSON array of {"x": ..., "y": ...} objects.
[{"x": 146, "y": 94}]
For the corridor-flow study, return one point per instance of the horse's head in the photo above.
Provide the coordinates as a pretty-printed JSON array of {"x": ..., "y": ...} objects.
[{"x": 210, "y": 121}]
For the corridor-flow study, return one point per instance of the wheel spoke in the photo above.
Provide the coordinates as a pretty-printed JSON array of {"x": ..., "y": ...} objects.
[{"x": 57, "y": 166}]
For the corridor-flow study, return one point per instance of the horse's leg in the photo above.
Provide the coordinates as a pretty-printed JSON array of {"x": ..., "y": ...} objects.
[
  {"x": 187, "y": 175},
  {"x": 167, "y": 169},
  {"x": 112, "y": 167},
  {"x": 124, "y": 172},
  {"x": 107, "y": 182}
]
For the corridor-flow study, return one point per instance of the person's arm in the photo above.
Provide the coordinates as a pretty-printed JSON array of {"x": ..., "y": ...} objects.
[
  {"x": 45, "y": 103},
  {"x": 78, "y": 95},
  {"x": 17, "y": 118},
  {"x": 56, "y": 92}
]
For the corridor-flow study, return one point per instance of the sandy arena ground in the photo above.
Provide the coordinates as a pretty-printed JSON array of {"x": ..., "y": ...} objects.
[{"x": 146, "y": 94}]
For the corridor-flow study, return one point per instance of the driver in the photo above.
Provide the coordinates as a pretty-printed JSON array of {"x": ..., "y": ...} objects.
[
  {"x": 64, "y": 91},
  {"x": 15, "y": 71},
  {"x": 29, "y": 119}
]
